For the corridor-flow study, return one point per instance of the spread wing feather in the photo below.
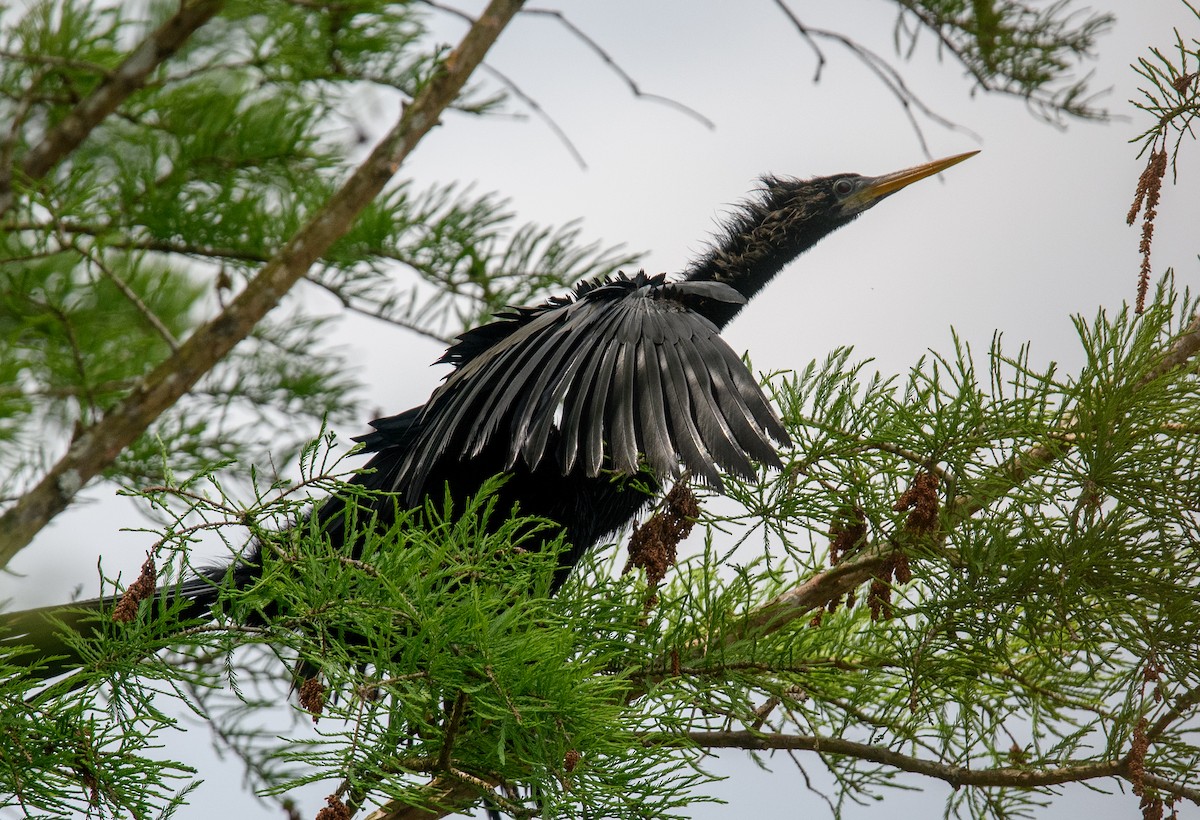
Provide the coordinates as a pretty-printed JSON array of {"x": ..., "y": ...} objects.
[
  {"x": 656, "y": 436},
  {"x": 538, "y": 406},
  {"x": 713, "y": 426},
  {"x": 628, "y": 374},
  {"x": 595, "y": 424},
  {"x": 677, "y": 401},
  {"x": 622, "y": 432},
  {"x": 742, "y": 407}
]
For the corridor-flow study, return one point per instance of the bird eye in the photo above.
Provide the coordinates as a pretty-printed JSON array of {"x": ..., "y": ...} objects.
[{"x": 843, "y": 187}]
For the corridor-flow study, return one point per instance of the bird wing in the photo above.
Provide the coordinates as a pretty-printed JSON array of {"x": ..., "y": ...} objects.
[{"x": 627, "y": 374}]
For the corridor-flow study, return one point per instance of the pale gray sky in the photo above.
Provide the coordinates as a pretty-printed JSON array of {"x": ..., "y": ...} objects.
[{"x": 1017, "y": 239}]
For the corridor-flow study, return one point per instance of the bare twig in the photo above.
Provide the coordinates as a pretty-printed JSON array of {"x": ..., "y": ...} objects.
[
  {"x": 634, "y": 88},
  {"x": 540, "y": 113},
  {"x": 99, "y": 445},
  {"x": 378, "y": 312},
  {"x": 881, "y": 68},
  {"x": 599, "y": 51}
]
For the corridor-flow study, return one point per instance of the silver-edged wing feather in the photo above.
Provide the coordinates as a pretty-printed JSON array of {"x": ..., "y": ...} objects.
[{"x": 628, "y": 375}]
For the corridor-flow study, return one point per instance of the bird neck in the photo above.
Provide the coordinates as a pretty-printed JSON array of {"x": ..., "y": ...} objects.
[{"x": 761, "y": 240}]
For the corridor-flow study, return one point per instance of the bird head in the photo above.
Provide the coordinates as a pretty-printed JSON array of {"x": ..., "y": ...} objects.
[
  {"x": 848, "y": 195},
  {"x": 789, "y": 216}
]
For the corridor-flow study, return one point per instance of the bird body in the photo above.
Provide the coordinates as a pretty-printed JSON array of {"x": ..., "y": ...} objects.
[{"x": 586, "y": 400}]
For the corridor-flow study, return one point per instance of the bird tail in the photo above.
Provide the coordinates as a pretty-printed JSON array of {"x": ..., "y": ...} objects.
[{"x": 47, "y": 641}]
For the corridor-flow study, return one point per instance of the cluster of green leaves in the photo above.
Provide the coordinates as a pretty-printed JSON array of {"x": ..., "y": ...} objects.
[
  {"x": 75, "y": 756},
  {"x": 470, "y": 260},
  {"x": 438, "y": 645},
  {"x": 1048, "y": 616},
  {"x": 473, "y": 670},
  {"x": 144, "y": 230},
  {"x": 1052, "y": 611},
  {"x": 1024, "y": 49},
  {"x": 1171, "y": 93}
]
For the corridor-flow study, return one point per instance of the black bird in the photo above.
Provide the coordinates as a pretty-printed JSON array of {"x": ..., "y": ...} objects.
[{"x": 583, "y": 400}]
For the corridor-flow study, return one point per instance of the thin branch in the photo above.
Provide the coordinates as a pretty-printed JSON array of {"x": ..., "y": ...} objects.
[
  {"x": 604, "y": 56},
  {"x": 68, "y": 391},
  {"x": 98, "y": 446},
  {"x": 53, "y": 60},
  {"x": 125, "y": 79},
  {"x": 540, "y": 113},
  {"x": 1021, "y": 467},
  {"x": 1188, "y": 700},
  {"x": 881, "y": 68},
  {"x": 131, "y": 295},
  {"x": 232, "y": 254},
  {"x": 956, "y": 776},
  {"x": 634, "y": 88},
  {"x": 378, "y": 312},
  {"x": 71, "y": 227},
  {"x": 453, "y": 723}
]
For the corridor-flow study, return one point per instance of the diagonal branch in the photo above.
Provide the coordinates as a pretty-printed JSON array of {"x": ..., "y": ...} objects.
[
  {"x": 785, "y": 608},
  {"x": 1021, "y": 467},
  {"x": 830, "y": 584},
  {"x": 131, "y": 295},
  {"x": 98, "y": 446},
  {"x": 814, "y": 593},
  {"x": 441, "y": 797},
  {"x": 884, "y": 71},
  {"x": 125, "y": 79},
  {"x": 608, "y": 60},
  {"x": 956, "y": 776},
  {"x": 1177, "y": 709},
  {"x": 953, "y": 774}
]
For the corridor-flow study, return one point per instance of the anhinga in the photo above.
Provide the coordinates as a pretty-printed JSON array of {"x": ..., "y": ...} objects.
[{"x": 626, "y": 376}]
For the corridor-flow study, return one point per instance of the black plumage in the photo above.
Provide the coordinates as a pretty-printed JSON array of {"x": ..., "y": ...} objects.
[
  {"x": 629, "y": 368},
  {"x": 587, "y": 399}
]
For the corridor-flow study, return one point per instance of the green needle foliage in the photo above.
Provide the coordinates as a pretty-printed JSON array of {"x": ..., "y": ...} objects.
[
  {"x": 149, "y": 226},
  {"x": 1007, "y": 642},
  {"x": 983, "y": 571},
  {"x": 1023, "y": 49}
]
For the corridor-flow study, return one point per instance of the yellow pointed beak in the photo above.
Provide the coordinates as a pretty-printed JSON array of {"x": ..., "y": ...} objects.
[{"x": 879, "y": 187}]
